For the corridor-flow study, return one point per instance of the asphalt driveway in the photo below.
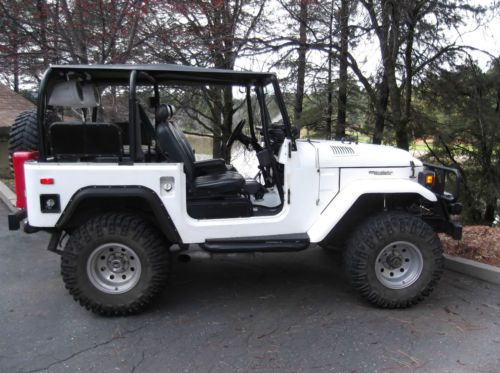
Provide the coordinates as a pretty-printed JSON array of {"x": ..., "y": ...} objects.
[{"x": 273, "y": 312}]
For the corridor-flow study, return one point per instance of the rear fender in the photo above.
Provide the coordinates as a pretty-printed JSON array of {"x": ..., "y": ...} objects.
[
  {"x": 346, "y": 198},
  {"x": 105, "y": 197}
]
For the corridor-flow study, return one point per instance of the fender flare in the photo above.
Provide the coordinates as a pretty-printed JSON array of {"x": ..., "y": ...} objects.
[
  {"x": 345, "y": 199},
  {"x": 163, "y": 219}
]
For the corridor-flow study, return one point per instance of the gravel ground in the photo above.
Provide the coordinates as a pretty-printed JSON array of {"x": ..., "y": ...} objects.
[{"x": 236, "y": 313}]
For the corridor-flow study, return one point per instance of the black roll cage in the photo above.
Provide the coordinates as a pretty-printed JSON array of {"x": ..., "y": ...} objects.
[{"x": 136, "y": 75}]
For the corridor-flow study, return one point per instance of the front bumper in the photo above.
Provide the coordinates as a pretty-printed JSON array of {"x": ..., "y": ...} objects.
[
  {"x": 447, "y": 203},
  {"x": 454, "y": 230},
  {"x": 437, "y": 215}
]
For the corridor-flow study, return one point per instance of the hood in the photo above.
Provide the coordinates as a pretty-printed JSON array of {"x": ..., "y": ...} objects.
[{"x": 344, "y": 154}]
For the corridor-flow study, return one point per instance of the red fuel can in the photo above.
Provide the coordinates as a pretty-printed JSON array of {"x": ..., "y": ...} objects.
[{"x": 18, "y": 159}]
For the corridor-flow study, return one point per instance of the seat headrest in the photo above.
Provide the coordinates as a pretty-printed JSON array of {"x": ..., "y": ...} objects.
[
  {"x": 75, "y": 94},
  {"x": 164, "y": 113}
]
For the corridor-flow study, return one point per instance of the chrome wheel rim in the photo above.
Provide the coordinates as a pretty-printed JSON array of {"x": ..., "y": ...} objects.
[
  {"x": 114, "y": 268},
  {"x": 399, "y": 265}
]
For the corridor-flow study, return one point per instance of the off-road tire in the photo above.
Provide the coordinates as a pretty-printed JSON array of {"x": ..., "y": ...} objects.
[
  {"x": 370, "y": 239},
  {"x": 149, "y": 246},
  {"x": 23, "y": 133}
]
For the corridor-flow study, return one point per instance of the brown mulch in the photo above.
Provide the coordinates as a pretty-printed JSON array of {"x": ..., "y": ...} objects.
[{"x": 479, "y": 242}]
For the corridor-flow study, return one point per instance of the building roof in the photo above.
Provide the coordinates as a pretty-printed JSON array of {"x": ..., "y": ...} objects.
[
  {"x": 11, "y": 104},
  {"x": 163, "y": 73}
]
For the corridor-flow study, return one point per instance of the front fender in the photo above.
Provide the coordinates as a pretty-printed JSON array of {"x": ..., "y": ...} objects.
[{"x": 346, "y": 198}]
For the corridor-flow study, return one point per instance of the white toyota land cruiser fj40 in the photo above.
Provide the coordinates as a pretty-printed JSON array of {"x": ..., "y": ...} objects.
[{"x": 115, "y": 196}]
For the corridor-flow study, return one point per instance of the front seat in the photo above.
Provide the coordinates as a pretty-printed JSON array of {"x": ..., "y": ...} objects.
[
  {"x": 171, "y": 145},
  {"x": 205, "y": 167}
]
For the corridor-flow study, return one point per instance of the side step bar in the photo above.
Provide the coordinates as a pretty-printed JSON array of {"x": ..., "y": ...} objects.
[{"x": 286, "y": 242}]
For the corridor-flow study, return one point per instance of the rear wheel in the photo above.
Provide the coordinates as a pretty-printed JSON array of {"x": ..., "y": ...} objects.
[
  {"x": 394, "y": 259},
  {"x": 115, "y": 264}
]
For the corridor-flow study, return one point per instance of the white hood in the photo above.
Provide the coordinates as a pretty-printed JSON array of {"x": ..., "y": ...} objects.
[{"x": 344, "y": 154}]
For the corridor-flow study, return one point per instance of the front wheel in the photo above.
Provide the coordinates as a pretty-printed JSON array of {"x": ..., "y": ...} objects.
[
  {"x": 115, "y": 264},
  {"x": 394, "y": 259}
]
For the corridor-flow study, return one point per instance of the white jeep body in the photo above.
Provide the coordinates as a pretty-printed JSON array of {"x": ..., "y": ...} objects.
[
  {"x": 322, "y": 178},
  {"x": 116, "y": 193}
]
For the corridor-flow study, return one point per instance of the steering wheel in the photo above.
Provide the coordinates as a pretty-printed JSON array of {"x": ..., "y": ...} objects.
[{"x": 236, "y": 133}]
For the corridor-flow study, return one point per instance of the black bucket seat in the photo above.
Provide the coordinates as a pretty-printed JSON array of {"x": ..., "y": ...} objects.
[
  {"x": 173, "y": 144},
  {"x": 205, "y": 167}
]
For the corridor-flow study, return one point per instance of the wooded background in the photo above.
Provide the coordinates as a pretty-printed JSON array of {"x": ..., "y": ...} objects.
[{"x": 423, "y": 89}]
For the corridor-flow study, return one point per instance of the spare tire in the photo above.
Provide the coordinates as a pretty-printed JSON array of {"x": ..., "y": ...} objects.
[{"x": 23, "y": 133}]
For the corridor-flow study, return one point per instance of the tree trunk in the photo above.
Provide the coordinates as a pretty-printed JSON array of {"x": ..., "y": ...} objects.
[
  {"x": 301, "y": 61},
  {"x": 383, "y": 101},
  {"x": 489, "y": 184},
  {"x": 390, "y": 62},
  {"x": 489, "y": 211},
  {"x": 227, "y": 122},
  {"x": 329, "y": 112},
  {"x": 216, "y": 96},
  {"x": 82, "y": 37},
  {"x": 224, "y": 58},
  {"x": 217, "y": 142},
  {"x": 15, "y": 67},
  {"x": 16, "y": 75},
  {"x": 42, "y": 11},
  {"x": 343, "y": 64},
  {"x": 402, "y": 138},
  {"x": 409, "y": 71}
]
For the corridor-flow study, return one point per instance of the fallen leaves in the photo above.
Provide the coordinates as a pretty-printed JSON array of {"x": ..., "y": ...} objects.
[{"x": 479, "y": 242}]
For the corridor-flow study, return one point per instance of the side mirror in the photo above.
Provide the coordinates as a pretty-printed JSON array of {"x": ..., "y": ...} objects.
[{"x": 295, "y": 132}]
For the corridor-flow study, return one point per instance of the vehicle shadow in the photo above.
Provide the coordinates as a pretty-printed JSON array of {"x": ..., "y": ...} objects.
[
  {"x": 314, "y": 277},
  {"x": 250, "y": 277}
]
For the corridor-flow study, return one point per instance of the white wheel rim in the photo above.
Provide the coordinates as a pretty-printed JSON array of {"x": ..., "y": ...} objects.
[
  {"x": 399, "y": 265},
  {"x": 114, "y": 268}
]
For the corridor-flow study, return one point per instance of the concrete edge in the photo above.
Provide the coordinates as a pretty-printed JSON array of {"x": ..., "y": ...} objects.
[
  {"x": 472, "y": 268},
  {"x": 8, "y": 197}
]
